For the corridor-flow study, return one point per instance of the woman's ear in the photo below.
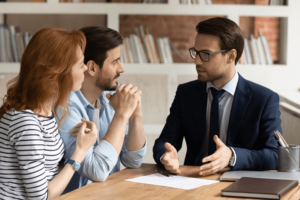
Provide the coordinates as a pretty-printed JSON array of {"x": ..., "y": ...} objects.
[{"x": 92, "y": 68}]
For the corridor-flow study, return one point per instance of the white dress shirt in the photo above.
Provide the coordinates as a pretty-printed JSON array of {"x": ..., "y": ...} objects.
[
  {"x": 225, "y": 104},
  {"x": 96, "y": 118}
]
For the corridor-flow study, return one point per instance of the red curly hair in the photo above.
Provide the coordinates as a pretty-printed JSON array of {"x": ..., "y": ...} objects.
[{"x": 45, "y": 73}]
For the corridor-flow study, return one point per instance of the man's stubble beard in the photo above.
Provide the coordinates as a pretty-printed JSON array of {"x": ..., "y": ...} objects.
[
  {"x": 210, "y": 78},
  {"x": 105, "y": 84}
]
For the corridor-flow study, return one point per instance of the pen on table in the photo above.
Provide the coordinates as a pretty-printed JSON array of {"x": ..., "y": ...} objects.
[{"x": 162, "y": 173}]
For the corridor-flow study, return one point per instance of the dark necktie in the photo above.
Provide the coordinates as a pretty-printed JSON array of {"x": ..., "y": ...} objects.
[{"x": 214, "y": 128}]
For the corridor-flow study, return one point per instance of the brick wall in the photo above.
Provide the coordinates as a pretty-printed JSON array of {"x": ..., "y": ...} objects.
[
  {"x": 269, "y": 27},
  {"x": 181, "y": 29},
  {"x": 233, "y": 1}
]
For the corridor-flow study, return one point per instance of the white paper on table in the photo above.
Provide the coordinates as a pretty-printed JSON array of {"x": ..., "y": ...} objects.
[{"x": 179, "y": 182}]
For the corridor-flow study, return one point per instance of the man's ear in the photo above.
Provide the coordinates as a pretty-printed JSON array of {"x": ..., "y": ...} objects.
[
  {"x": 232, "y": 55},
  {"x": 92, "y": 68}
]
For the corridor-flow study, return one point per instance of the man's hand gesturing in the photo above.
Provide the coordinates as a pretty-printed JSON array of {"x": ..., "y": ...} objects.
[{"x": 170, "y": 159}]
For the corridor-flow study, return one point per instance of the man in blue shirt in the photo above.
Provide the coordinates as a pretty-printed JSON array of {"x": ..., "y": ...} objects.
[{"x": 116, "y": 111}]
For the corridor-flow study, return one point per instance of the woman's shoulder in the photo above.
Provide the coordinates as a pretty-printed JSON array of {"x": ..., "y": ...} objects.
[
  {"x": 22, "y": 120},
  {"x": 19, "y": 115}
]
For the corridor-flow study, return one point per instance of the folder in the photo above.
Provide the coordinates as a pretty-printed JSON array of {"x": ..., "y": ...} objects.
[{"x": 259, "y": 188}]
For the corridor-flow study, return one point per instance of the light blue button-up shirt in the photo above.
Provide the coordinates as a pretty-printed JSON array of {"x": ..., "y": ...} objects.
[{"x": 102, "y": 159}]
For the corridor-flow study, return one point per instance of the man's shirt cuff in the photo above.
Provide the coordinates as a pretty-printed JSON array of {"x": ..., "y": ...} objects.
[{"x": 234, "y": 156}]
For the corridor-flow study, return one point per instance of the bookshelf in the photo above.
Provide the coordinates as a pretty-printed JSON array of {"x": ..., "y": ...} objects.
[{"x": 279, "y": 76}]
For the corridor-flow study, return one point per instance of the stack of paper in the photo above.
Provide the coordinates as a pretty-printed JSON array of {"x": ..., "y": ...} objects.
[{"x": 179, "y": 182}]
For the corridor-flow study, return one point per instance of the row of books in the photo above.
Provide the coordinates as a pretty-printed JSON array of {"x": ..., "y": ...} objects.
[
  {"x": 144, "y": 48},
  {"x": 154, "y": 1},
  {"x": 278, "y": 2},
  {"x": 199, "y": 2},
  {"x": 12, "y": 43},
  {"x": 256, "y": 51},
  {"x": 93, "y": 1}
]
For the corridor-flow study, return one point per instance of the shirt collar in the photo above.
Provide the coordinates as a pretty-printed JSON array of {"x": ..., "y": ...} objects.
[
  {"x": 100, "y": 101},
  {"x": 230, "y": 87}
]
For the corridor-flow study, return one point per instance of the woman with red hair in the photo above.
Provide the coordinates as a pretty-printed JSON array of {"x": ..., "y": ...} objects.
[{"x": 30, "y": 146}]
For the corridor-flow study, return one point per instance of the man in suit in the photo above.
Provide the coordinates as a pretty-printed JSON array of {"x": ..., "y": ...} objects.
[{"x": 226, "y": 120}]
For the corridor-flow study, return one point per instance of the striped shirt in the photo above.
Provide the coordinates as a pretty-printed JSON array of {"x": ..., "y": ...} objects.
[{"x": 29, "y": 155}]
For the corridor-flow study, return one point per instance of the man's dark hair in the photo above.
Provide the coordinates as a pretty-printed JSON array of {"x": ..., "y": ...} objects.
[
  {"x": 230, "y": 34},
  {"x": 99, "y": 40}
]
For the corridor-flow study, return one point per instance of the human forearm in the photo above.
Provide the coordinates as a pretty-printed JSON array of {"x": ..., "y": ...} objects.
[
  {"x": 136, "y": 137},
  {"x": 116, "y": 132},
  {"x": 264, "y": 159},
  {"x": 60, "y": 182},
  {"x": 99, "y": 162}
]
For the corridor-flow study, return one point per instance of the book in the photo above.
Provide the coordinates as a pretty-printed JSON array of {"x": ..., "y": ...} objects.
[
  {"x": 259, "y": 188},
  {"x": 145, "y": 45},
  {"x": 161, "y": 50},
  {"x": 167, "y": 48},
  {"x": 261, "y": 52},
  {"x": 14, "y": 43},
  {"x": 251, "y": 51},
  {"x": 267, "y": 50},
  {"x": 153, "y": 48},
  {"x": 2, "y": 44},
  {"x": 20, "y": 44},
  {"x": 9, "y": 57},
  {"x": 255, "y": 51},
  {"x": 247, "y": 51},
  {"x": 159, "y": 59},
  {"x": 149, "y": 49},
  {"x": 129, "y": 50},
  {"x": 126, "y": 49},
  {"x": 134, "y": 49}
]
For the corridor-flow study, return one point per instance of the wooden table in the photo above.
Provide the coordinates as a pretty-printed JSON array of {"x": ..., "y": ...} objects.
[{"x": 115, "y": 188}]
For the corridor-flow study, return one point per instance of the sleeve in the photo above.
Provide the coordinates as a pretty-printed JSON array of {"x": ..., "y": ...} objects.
[
  {"x": 172, "y": 131},
  {"x": 27, "y": 140},
  {"x": 99, "y": 160},
  {"x": 132, "y": 159},
  {"x": 265, "y": 155}
]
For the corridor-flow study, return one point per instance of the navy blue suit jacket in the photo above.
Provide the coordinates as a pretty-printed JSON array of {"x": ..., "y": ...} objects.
[{"x": 253, "y": 119}]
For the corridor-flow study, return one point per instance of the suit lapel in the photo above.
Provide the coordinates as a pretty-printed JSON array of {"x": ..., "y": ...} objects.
[
  {"x": 200, "y": 110},
  {"x": 200, "y": 118},
  {"x": 240, "y": 103}
]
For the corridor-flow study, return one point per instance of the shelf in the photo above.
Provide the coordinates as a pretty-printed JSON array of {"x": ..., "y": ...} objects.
[
  {"x": 143, "y": 9},
  {"x": 173, "y": 68}
]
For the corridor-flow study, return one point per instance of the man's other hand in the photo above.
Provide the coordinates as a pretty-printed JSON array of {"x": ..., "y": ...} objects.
[
  {"x": 218, "y": 160},
  {"x": 170, "y": 159}
]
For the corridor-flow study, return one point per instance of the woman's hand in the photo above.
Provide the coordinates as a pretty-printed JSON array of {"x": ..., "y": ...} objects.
[{"x": 86, "y": 135}]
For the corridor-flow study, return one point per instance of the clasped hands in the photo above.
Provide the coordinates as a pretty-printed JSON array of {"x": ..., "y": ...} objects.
[
  {"x": 218, "y": 160},
  {"x": 126, "y": 102}
]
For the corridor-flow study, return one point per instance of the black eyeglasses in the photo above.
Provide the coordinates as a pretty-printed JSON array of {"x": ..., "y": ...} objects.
[{"x": 204, "y": 56}]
